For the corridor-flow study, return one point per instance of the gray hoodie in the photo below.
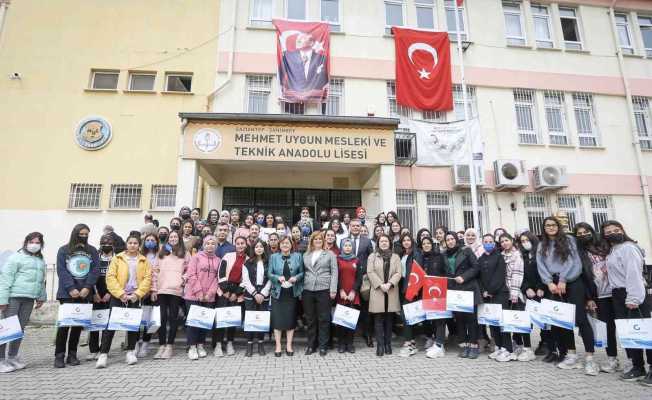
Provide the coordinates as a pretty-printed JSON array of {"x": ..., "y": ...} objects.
[
  {"x": 549, "y": 264},
  {"x": 625, "y": 270}
]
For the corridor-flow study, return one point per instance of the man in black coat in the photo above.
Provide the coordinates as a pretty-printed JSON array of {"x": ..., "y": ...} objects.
[{"x": 362, "y": 248}]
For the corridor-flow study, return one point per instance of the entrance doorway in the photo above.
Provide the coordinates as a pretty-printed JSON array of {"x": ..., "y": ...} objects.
[{"x": 289, "y": 202}]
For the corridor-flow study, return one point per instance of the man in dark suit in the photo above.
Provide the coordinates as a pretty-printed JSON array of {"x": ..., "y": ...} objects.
[
  {"x": 304, "y": 71},
  {"x": 362, "y": 248}
]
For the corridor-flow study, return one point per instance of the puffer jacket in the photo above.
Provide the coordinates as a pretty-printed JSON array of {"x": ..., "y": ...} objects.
[{"x": 23, "y": 275}]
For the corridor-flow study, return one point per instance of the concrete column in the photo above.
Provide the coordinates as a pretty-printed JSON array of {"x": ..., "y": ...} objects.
[
  {"x": 187, "y": 181},
  {"x": 214, "y": 197},
  {"x": 387, "y": 188}
]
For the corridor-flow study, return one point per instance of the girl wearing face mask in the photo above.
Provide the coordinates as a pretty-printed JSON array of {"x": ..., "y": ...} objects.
[
  {"x": 184, "y": 214},
  {"x": 257, "y": 287},
  {"x": 593, "y": 253},
  {"x": 78, "y": 265},
  {"x": 22, "y": 283},
  {"x": 230, "y": 293},
  {"x": 163, "y": 233},
  {"x": 630, "y": 296},
  {"x": 102, "y": 296},
  {"x": 175, "y": 224},
  {"x": 349, "y": 280},
  {"x": 149, "y": 248},
  {"x": 167, "y": 289}
]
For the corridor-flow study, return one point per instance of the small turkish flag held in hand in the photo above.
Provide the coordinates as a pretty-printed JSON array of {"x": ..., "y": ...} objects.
[
  {"x": 415, "y": 281},
  {"x": 423, "y": 69},
  {"x": 434, "y": 293}
]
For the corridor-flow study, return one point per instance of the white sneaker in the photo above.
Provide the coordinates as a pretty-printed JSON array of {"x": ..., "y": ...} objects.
[
  {"x": 429, "y": 343},
  {"x": 610, "y": 366},
  {"x": 408, "y": 350},
  {"x": 159, "y": 353},
  {"x": 496, "y": 353},
  {"x": 526, "y": 355},
  {"x": 101, "y": 360},
  {"x": 142, "y": 350},
  {"x": 518, "y": 350},
  {"x": 16, "y": 363},
  {"x": 5, "y": 367},
  {"x": 200, "y": 351},
  {"x": 591, "y": 368},
  {"x": 569, "y": 362},
  {"x": 131, "y": 357},
  {"x": 436, "y": 351},
  {"x": 230, "y": 351},
  {"x": 218, "y": 351},
  {"x": 91, "y": 356},
  {"x": 506, "y": 356},
  {"x": 192, "y": 353}
]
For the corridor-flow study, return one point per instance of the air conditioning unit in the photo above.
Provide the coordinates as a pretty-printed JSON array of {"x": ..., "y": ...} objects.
[
  {"x": 550, "y": 177},
  {"x": 510, "y": 174},
  {"x": 462, "y": 175}
]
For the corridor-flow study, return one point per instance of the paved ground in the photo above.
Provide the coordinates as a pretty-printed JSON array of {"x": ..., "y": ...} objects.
[{"x": 361, "y": 375}]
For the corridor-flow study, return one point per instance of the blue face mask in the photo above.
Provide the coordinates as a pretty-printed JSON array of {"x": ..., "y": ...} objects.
[
  {"x": 168, "y": 247},
  {"x": 489, "y": 247},
  {"x": 260, "y": 221},
  {"x": 149, "y": 244}
]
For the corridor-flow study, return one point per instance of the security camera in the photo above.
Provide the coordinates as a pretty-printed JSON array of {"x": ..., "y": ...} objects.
[{"x": 15, "y": 75}]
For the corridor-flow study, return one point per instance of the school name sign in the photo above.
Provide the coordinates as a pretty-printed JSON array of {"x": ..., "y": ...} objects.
[{"x": 287, "y": 143}]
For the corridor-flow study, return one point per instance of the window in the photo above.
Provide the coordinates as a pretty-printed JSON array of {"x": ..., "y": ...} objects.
[
  {"x": 258, "y": 89},
  {"x": 425, "y": 14},
  {"x": 406, "y": 208},
  {"x": 141, "y": 81},
  {"x": 261, "y": 13},
  {"x": 514, "y": 31},
  {"x": 396, "y": 110},
  {"x": 330, "y": 12},
  {"x": 542, "y": 28},
  {"x": 450, "y": 20},
  {"x": 84, "y": 195},
  {"x": 458, "y": 102},
  {"x": 163, "y": 196},
  {"x": 571, "y": 205},
  {"x": 293, "y": 108},
  {"x": 434, "y": 116},
  {"x": 570, "y": 27},
  {"x": 553, "y": 102},
  {"x": 107, "y": 80},
  {"x": 296, "y": 9},
  {"x": 526, "y": 116},
  {"x": 624, "y": 34},
  {"x": 393, "y": 15},
  {"x": 587, "y": 129},
  {"x": 439, "y": 205},
  {"x": 645, "y": 24},
  {"x": 467, "y": 212},
  {"x": 601, "y": 210},
  {"x": 178, "y": 83},
  {"x": 125, "y": 196},
  {"x": 537, "y": 209},
  {"x": 643, "y": 118},
  {"x": 334, "y": 103}
]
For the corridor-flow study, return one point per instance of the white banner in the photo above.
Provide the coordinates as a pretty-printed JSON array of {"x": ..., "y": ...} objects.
[
  {"x": 490, "y": 314},
  {"x": 125, "y": 319},
  {"x": 414, "y": 313},
  {"x": 635, "y": 333},
  {"x": 459, "y": 300},
  {"x": 516, "y": 321},
  {"x": 599, "y": 331},
  {"x": 99, "y": 320},
  {"x": 200, "y": 317},
  {"x": 256, "y": 321},
  {"x": 446, "y": 143},
  {"x": 226, "y": 317},
  {"x": 10, "y": 329},
  {"x": 346, "y": 316},
  {"x": 75, "y": 314}
]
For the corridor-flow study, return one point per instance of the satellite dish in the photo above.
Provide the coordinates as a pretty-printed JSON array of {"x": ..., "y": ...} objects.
[{"x": 550, "y": 175}]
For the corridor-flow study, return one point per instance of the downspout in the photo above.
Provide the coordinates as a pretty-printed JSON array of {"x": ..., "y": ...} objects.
[
  {"x": 632, "y": 122},
  {"x": 4, "y": 6},
  {"x": 182, "y": 130},
  {"x": 229, "y": 73}
]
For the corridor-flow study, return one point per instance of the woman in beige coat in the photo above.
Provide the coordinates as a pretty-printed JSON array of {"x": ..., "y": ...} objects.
[{"x": 384, "y": 272}]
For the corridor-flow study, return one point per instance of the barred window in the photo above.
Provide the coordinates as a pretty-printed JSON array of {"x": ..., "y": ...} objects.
[
  {"x": 458, "y": 102},
  {"x": 163, "y": 196},
  {"x": 587, "y": 128},
  {"x": 293, "y": 108},
  {"x": 643, "y": 121},
  {"x": 125, "y": 196},
  {"x": 601, "y": 210},
  {"x": 526, "y": 116},
  {"x": 467, "y": 212},
  {"x": 334, "y": 104},
  {"x": 555, "y": 117},
  {"x": 439, "y": 205},
  {"x": 572, "y": 206},
  {"x": 537, "y": 209},
  {"x": 396, "y": 110},
  {"x": 258, "y": 89},
  {"x": 406, "y": 208},
  {"x": 85, "y": 195}
]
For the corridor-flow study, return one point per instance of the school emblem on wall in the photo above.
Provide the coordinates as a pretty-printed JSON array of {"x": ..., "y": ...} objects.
[
  {"x": 207, "y": 140},
  {"x": 93, "y": 133}
]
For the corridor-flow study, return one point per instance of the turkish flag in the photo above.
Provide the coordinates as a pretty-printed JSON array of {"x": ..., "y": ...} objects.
[
  {"x": 434, "y": 293},
  {"x": 415, "y": 281},
  {"x": 459, "y": 3},
  {"x": 423, "y": 69}
]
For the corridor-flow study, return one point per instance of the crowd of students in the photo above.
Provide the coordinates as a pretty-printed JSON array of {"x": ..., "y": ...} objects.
[{"x": 299, "y": 272}]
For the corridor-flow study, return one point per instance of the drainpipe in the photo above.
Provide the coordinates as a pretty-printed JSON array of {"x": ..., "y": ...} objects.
[
  {"x": 632, "y": 122},
  {"x": 229, "y": 73},
  {"x": 4, "y": 6}
]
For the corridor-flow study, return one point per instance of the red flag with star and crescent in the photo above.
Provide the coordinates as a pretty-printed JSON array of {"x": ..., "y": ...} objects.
[
  {"x": 303, "y": 55},
  {"x": 434, "y": 293},
  {"x": 415, "y": 282},
  {"x": 423, "y": 69}
]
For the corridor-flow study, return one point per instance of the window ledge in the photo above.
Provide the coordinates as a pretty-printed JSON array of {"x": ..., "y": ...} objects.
[
  {"x": 169, "y": 209},
  {"x": 532, "y": 144},
  {"x": 260, "y": 28},
  {"x": 646, "y": 150},
  {"x": 549, "y": 48},
  {"x": 338, "y": 33},
  {"x": 563, "y": 146},
  {"x": 592, "y": 147},
  {"x": 126, "y": 209},
  {"x": 633, "y": 55},
  {"x": 175, "y": 92},
  {"x": 84, "y": 209},
  {"x": 577, "y": 51},
  {"x": 388, "y": 35},
  {"x": 101, "y": 90},
  {"x": 520, "y": 46},
  {"x": 139, "y": 91}
]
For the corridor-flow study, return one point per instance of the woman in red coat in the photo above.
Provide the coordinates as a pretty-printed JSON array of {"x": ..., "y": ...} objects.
[{"x": 349, "y": 281}]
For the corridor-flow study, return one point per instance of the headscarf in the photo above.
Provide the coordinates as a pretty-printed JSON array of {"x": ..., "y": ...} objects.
[
  {"x": 342, "y": 256},
  {"x": 476, "y": 246}
]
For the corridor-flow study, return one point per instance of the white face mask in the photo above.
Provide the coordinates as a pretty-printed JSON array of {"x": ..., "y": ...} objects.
[
  {"x": 527, "y": 246},
  {"x": 33, "y": 247}
]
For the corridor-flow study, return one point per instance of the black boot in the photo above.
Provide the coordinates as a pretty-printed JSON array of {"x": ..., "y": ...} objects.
[
  {"x": 341, "y": 348},
  {"x": 261, "y": 348},
  {"x": 388, "y": 348},
  {"x": 370, "y": 341},
  {"x": 250, "y": 349},
  {"x": 58, "y": 360},
  {"x": 72, "y": 359},
  {"x": 380, "y": 351}
]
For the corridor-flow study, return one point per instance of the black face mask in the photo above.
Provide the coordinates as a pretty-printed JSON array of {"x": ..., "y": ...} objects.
[
  {"x": 106, "y": 249},
  {"x": 615, "y": 238},
  {"x": 586, "y": 239},
  {"x": 82, "y": 239},
  {"x": 163, "y": 237},
  {"x": 175, "y": 227},
  {"x": 185, "y": 215}
]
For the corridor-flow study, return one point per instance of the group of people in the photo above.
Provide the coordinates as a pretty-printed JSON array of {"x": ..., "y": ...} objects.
[{"x": 300, "y": 272}]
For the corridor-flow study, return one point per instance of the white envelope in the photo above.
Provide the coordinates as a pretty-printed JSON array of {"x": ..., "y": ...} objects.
[
  {"x": 226, "y": 317},
  {"x": 490, "y": 314},
  {"x": 125, "y": 319},
  {"x": 635, "y": 333},
  {"x": 256, "y": 321},
  {"x": 200, "y": 317},
  {"x": 558, "y": 313},
  {"x": 534, "y": 307},
  {"x": 10, "y": 329},
  {"x": 99, "y": 320},
  {"x": 516, "y": 321},
  {"x": 459, "y": 300},
  {"x": 414, "y": 312},
  {"x": 346, "y": 316},
  {"x": 75, "y": 314}
]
